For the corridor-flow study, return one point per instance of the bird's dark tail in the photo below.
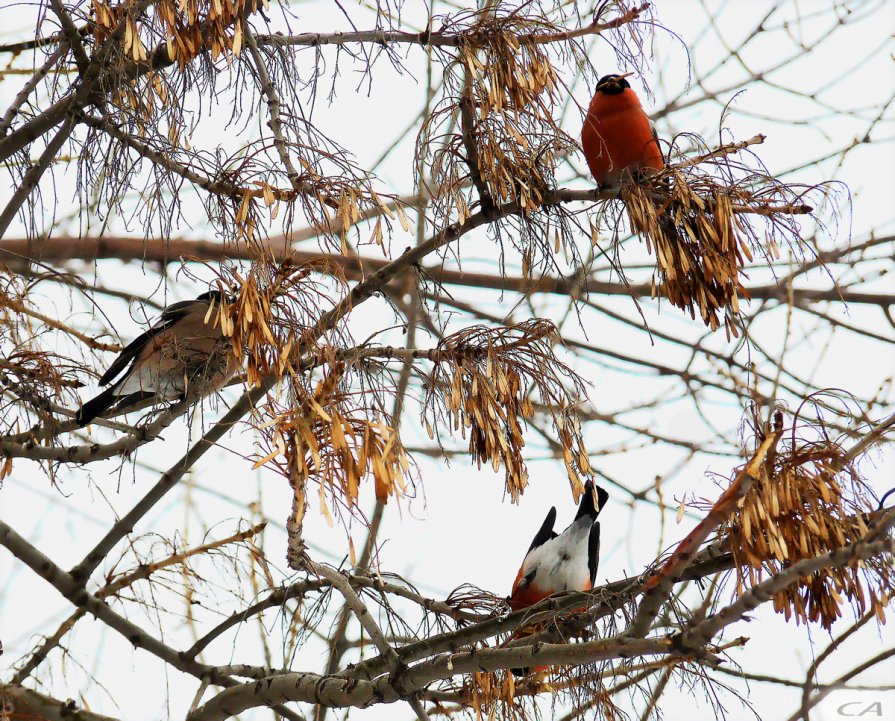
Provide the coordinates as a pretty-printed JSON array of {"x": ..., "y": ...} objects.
[
  {"x": 96, "y": 406},
  {"x": 587, "y": 507}
]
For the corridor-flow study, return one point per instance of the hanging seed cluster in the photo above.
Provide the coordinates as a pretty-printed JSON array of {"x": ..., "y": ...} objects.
[
  {"x": 512, "y": 88},
  {"x": 483, "y": 383},
  {"x": 321, "y": 434},
  {"x": 699, "y": 250},
  {"x": 492, "y": 694},
  {"x": 506, "y": 89},
  {"x": 321, "y": 437},
  {"x": 804, "y": 506},
  {"x": 186, "y": 27},
  {"x": 194, "y": 26},
  {"x": 144, "y": 101},
  {"x": 271, "y": 310},
  {"x": 698, "y": 220},
  {"x": 499, "y": 695}
]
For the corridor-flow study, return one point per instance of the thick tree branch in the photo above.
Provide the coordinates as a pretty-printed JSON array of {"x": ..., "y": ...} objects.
[
  {"x": 72, "y": 35},
  {"x": 337, "y": 692},
  {"x": 50, "y": 709},
  {"x": 90, "y": 453},
  {"x": 176, "y": 250}
]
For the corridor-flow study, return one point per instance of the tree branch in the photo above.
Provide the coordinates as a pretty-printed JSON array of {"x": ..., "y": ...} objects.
[
  {"x": 177, "y": 250},
  {"x": 473, "y": 36},
  {"x": 21, "y": 98},
  {"x": 33, "y": 175},
  {"x": 50, "y": 709},
  {"x": 73, "y": 590},
  {"x": 167, "y": 482},
  {"x": 90, "y": 453},
  {"x": 697, "y": 636},
  {"x": 658, "y": 586}
]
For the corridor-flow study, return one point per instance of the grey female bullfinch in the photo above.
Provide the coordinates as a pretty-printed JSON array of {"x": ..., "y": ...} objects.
[{"x": 185, "y": 348}]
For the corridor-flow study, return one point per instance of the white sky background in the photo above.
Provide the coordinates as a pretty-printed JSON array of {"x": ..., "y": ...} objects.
[{"x": 461, "y": 528}]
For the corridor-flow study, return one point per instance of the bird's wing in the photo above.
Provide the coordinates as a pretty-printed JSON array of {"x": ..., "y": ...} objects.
[
  {"x": 546, "y": 532},
  {"x": 169, "y": 317},
  {"x": 593, "y": 552},
  {"x": 128, "y": 354}
]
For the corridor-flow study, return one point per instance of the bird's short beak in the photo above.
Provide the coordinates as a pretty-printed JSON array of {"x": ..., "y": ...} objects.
[{"x": 625, "y": 75}]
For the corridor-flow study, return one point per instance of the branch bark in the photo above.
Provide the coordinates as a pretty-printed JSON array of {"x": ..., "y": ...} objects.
[
  {"x": 50, "y": 709},
  {"x": 658, "y": 586},
  {"x": 176, "y": 250},
  {"x": 442, "y": 39}
]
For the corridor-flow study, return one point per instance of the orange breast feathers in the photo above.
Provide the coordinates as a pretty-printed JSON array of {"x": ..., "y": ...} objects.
[
  {"x": 525, "y": 596},
  {"x": 617, "y": 135},
  {"x": 531, "y": 594}
]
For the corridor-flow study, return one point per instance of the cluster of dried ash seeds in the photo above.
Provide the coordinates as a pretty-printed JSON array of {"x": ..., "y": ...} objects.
[
  {"x": 808, "y": 503},
  {"x": 483, "y": 383}
]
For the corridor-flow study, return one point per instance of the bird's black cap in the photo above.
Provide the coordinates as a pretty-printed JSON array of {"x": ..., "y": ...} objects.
[
  {"x": 587, "y": 507},
  {"x": 613, "y": 84},
  {"x": 216, "y": 295}
]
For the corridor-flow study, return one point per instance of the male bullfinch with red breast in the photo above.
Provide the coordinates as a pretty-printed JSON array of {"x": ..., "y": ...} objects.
[
  {"x": 617, "y": 134},
  {"x": 185, "y": 349},
  {"x": 562, "y": 562}
]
